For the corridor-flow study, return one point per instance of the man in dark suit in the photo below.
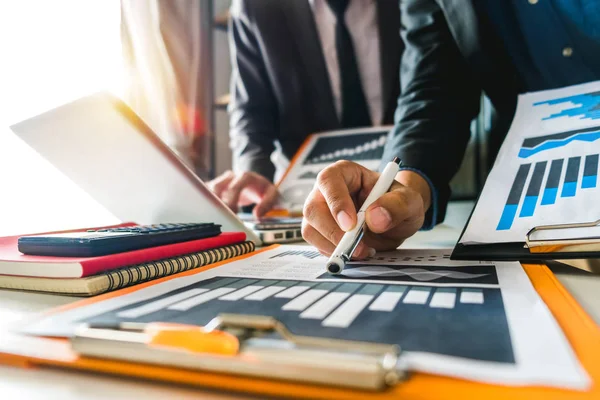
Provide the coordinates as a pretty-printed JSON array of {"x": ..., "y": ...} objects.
[
  {"x": 455, "y": 49},
  {"x": 300, "y": 67}
]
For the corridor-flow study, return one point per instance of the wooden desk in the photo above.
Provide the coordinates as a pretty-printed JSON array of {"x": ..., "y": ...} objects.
[{"x": 56, "y": 384}]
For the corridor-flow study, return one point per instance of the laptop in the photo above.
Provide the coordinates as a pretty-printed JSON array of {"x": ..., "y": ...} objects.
[{"x": 108, "y": 151}]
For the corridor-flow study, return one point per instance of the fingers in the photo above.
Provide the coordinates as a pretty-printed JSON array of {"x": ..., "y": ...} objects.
[
  {"x": 320, "y": 228},
  {"x": 317, "y": 214},
  {"x": 313, "y": 236},
  {"x": 255, "y": 188},
  {"x": 337, "y": 184},
  {"x": 231, "y": 195},
  {"x": 330, "y": 210},
  {"x": 266, "y": 203},
  {"x": 326, "y": 247},
  {"x": 220, "y": 183}
]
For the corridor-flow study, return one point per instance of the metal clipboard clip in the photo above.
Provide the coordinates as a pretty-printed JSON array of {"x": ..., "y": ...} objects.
[
  {"x": 568, "y": 238},
  {"x": 250, "y": 345}
]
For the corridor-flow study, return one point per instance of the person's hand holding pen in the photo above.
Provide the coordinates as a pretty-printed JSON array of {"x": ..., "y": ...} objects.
[{"x": 331, "y": 208}]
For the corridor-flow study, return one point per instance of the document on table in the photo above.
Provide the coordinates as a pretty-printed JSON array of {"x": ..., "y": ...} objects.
[
  {"x": 547, "y": 169},
  {"x": 474, "y": 320}
]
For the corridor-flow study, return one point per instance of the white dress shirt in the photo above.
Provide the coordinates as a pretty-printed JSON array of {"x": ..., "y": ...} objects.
[{"x": 361, "y": 20}]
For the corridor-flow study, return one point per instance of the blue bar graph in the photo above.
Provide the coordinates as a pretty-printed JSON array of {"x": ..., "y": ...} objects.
[
  {"x": 580, "y": 106},
  {"x": 590, "y": 172},
  {"x": 589, "y": 182},
  {"x": 533, "y": 191},
  {"x": 552, "y": 183},
  {"x": 514, "y": 198},
  {"x": 570, "y": 185},
  {"x": 564, "y": 176}
]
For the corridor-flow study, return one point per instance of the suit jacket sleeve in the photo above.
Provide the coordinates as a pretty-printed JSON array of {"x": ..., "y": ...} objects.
[
  {"x": 437, "y": 103},
  {"x": 252, "y": 110}
]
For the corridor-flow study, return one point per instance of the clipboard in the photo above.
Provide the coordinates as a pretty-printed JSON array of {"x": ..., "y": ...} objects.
[
  {"x": 579, "y": 328},
  {"x": 542, "y": 243},
  {"x": 247, "y": 345}
]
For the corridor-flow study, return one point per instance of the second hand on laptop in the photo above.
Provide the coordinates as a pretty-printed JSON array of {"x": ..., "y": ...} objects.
[{"x": 344, "y": 250}]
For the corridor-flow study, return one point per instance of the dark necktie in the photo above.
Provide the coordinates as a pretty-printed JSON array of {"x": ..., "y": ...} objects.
[{"x": 355, "y": 112}]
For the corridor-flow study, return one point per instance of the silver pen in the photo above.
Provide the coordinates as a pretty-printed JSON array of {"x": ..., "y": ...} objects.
[{"x": 344, "y": 250}]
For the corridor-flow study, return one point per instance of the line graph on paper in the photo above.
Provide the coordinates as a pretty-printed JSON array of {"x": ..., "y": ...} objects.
[
  {"x": 469, "y": 274},
  {"x": 535, "y": 145},
  {"x": 364, "y": 147},
  {"x": 358, "y": 147},
  {"x": 408, "y": 256}
]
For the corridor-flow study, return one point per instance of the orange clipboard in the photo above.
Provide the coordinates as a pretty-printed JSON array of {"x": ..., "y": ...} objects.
[{"x": 578, "y": 327}]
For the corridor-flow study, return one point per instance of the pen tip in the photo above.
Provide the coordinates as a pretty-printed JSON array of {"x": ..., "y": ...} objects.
[{"x": 333, "y": 268}]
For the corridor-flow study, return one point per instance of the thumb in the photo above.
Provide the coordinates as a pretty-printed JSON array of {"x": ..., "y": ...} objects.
[{"x": 394, "y": 208}]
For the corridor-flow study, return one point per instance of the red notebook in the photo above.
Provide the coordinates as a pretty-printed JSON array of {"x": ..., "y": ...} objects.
[{"x": 13, "y": 262}]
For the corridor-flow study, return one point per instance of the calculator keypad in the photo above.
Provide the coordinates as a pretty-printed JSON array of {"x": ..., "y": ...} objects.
[{"x": 155, "y": 228}]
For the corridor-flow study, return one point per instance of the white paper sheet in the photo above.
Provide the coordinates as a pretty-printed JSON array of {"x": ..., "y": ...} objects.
[
  {"x": 555, "y": 140},
  {"x": 433, "y": 301}
]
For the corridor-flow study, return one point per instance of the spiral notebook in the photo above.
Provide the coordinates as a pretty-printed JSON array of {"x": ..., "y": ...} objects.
[{"x": 126, "y": 276}]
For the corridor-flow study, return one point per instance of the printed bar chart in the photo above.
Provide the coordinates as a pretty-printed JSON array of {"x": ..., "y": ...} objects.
[
  {"x": 514, "y": 198},
  {"x": 586, "y": 106},
  {"x": 570, "y": 181},
  {"x": 330, "y": 302},
  {"x": 388, "y": 300},
  {"x": 590, "y": 172},
  {"x": 552, "y": 182},
  {"x": 394, "y": 314},
  {"x": 417, "y": 295},
  {"x": 533, "y": 191},
  {"x": 444, "y": 298},
  {"x": 304, "y": 253},
  {"x": 570, "y": 184},
  {"x": 471, "y": 296}
]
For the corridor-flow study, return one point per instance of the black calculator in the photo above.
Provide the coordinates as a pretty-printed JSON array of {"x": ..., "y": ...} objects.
[{"x": 114, "y": 240}]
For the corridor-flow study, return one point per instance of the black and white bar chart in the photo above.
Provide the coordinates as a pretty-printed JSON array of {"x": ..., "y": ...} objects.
[{"x": 395, "y": 313}]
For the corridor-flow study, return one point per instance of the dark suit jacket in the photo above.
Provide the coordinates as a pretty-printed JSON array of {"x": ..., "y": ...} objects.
[
  {"x": 451, "y": 55},
  {"x": 280, "y": 90}
]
